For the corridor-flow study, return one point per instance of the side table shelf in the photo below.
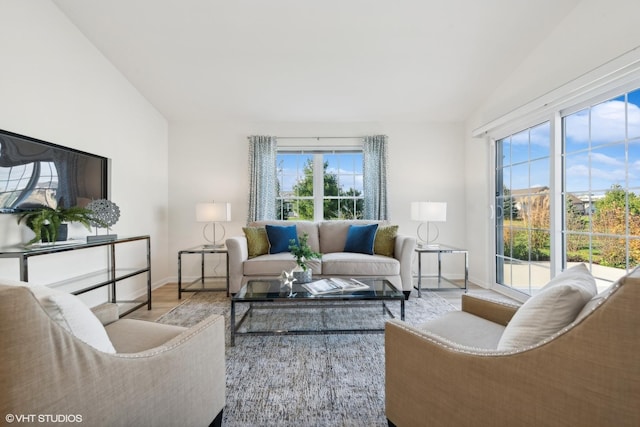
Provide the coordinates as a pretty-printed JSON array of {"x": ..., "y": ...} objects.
[{"x": 109, "y": 277}]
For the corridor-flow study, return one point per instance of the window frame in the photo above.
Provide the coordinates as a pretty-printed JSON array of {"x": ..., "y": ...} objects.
[
  {"x": 319, "y": 198},
  {"x": 558, "y": 192}
]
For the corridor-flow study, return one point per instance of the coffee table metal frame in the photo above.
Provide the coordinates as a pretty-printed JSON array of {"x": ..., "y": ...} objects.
[{"x": 274, "y": 296}]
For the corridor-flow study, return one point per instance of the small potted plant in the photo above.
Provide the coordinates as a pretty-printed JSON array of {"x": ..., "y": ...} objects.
[
  {"x": 302, "y": 253},
  {"x": 46, "y": 222}
]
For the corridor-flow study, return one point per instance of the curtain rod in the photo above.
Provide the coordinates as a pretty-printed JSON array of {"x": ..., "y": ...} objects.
[{"x": 319, "y": 137}]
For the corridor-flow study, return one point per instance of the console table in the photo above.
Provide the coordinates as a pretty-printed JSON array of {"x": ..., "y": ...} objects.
[
  {"x": 439, "y": 279},
  {"x": 109, "y": 277}
]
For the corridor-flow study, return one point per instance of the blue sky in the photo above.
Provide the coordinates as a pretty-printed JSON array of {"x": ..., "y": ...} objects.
[
  {"x": 603, "y": 128},
  {"x": 348, "y": 167}
]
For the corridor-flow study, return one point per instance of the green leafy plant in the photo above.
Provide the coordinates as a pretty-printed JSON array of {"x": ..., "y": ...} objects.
[
  {"x": 302, "y": 251},
  {"x": 45, "y": 221}
]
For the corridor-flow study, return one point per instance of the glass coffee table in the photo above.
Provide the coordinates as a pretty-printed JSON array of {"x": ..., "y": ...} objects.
[{"x": 274, "y": 309}]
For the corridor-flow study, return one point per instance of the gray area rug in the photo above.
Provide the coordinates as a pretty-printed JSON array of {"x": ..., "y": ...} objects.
[{"x": 305, "y": 380}]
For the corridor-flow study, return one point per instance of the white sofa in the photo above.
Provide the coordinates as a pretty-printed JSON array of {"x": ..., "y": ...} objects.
[{"x": 327, "y": 238}]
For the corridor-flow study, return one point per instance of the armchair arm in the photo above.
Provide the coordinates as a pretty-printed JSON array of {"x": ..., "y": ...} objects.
[
  {"x": 403, "y": 252},
  {"x": 499, "y": 312},
  {"x": 107, "y": 312},
  {"x": 573, "y": 379},
  {"x": 238, "y": 252}
]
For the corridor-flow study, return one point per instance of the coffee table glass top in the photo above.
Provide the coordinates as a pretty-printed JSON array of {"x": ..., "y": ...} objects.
[{"x": 271, "y": 290}]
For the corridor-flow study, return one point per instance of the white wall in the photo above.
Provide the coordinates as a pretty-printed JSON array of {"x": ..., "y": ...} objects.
[
  {"x": 594, "y": 33},
  {"x": 56, "y": 86},
  {"x": 210, "y": 161}
]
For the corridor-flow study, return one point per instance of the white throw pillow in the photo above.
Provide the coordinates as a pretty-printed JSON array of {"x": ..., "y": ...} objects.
[
  {"x": 72, "y": 314},
  {"x": 554, "y": 307}
]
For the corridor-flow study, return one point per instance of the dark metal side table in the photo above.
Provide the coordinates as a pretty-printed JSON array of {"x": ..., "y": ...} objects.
[{"x": 202, "y": 250}]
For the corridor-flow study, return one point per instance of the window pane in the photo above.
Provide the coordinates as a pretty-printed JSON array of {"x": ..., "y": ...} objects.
[
  {"x": 608, "y": 122},
  {"x": 633, "y": 114},
  {"x": 576, "y": 169},
  {"x": 608, "y": 167},
  {"x": 540, "y": 141},
  {"x": 576, "y": 132},
  {"x": 520, "y": 147},
  {"x": 539, "y": 173},
  {"x": 633, "y": 164}
]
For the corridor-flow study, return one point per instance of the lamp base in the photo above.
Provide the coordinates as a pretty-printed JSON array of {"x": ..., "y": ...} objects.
[{"x": 213, "y": 246}]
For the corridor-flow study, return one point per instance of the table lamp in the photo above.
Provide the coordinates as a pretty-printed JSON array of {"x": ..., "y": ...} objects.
[
  {"x": 213, "y": 214},
  {"x": 426, "y": 213}
]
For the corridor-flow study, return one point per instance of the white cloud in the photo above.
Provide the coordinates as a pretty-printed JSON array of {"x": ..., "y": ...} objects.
[{"x": 607, "y": 123}]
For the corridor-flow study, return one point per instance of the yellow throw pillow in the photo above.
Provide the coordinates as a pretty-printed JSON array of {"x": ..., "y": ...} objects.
[
  {"x": 385, "y": 240},
  {"x": 257, "y": 241}
]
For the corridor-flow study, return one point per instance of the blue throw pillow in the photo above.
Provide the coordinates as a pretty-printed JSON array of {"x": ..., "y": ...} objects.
[
  {"x": 279, "y": 237},
  {"x": 360, "y": 238}
]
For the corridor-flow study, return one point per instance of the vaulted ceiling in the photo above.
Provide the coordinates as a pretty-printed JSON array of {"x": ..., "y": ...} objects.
[{"x": 323, "y": 60}]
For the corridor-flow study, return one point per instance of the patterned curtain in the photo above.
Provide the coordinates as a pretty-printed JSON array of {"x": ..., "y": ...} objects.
[
  {"x": 375, "y": 177},
  {"x": 262, "y": 178}
]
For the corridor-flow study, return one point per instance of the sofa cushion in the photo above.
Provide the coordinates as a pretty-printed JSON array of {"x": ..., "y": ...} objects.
[
  {"x": 385, "y": 241},
  {"x": 275, "y": 264},
  {"x": 280, "y": 237},
  {"x": 360, "y": 238},
  {"x": 72, "y": 314},
  {"x": 302, "y": 227},
  {"x": 466, "y": 329},
  {"x": 257, "y": 241},
  {"x": 333, "y": 234},
  {"x": 554, "y": 307},
  {"x": 355, "y": 264}
]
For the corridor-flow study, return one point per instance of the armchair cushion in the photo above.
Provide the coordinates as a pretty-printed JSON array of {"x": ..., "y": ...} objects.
[
  {"x": 553, "y": 308},
  {"x": 75, "y": 316}
]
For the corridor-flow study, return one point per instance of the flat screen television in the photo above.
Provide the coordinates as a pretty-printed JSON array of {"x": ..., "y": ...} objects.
[{"x": 35, "y": 173}]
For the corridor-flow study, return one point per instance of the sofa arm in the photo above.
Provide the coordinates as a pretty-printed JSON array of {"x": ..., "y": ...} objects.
[
  {"x": 499, "y": 312},
  {"x": 238, "y": 252},
  {"x": 403, "y": 252}
]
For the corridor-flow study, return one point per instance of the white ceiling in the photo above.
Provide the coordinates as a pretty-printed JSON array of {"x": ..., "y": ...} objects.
[{"x": 323, "y": 60}]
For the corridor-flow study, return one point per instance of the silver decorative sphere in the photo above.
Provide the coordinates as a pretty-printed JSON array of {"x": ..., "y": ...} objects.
[{"x": 104, "y": 211}]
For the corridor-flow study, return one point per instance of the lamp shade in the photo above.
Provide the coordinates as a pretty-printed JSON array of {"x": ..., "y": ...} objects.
[
  {"x": 429, "y": 211},
  {"x": 213, "y": 212}
]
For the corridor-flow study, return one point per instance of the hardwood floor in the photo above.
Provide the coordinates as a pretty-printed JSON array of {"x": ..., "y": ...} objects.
[{"x": 163, "y": 299}]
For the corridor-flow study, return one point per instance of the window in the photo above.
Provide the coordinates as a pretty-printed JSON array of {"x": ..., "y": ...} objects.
[
  {"x": 602, "y": 186},
  {"x": 320, "y": 185},
  {"x": 523, "y": 208},
  {"x": 598, "y": 182}
]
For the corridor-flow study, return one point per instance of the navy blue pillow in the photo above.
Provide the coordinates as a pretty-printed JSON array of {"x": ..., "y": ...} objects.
[
  {"x": 360, "y": 238},
  {"x": 279, "y": 237}
]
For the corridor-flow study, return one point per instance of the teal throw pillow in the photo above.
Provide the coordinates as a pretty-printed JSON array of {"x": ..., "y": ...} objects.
[
  {"x": 279, "y": 237},
  {"x": 360, "y": 238}
]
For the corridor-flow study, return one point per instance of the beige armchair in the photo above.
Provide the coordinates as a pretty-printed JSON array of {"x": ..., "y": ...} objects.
[
  {"x": 586, "y": 374},
  {"x": 160, "y": 375}
]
